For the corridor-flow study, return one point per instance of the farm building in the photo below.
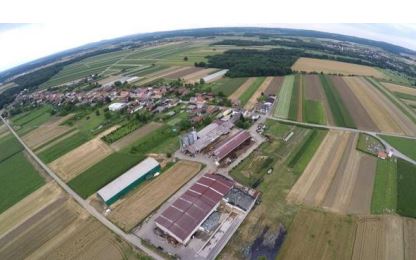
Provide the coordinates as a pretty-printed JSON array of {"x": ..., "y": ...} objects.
[
  {"x": 129, "y": 180},
  {"x": 117, "y": 106},
  {"x": 231, "y": 144},
  {"x": 187, "y": 213},
  {"x": 208, "y": 135}
]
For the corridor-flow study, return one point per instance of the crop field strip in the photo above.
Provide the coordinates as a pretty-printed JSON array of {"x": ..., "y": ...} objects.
[
  {"x": 334, "y": 67},
  {"x": 316, "y": 106},
  {"x": 334, "y": 94},
  {"x": 81, "y": 158},
  {"x": 133, "y": 209},
  {"x": 384, "y": 199},
  {"x": 235, "y": 96},
  {"x": 226, "y": 85},
  {"x": 196, "y": 76},
  {"x": 283, "y": 100},
  {"x": 404, "y": 145},
  {"x": 135, "y": 135},
  {"x": 397, "y": 107},
  {"x": 296, "y": 100},
  {"x": 253, "y": 99},
  {"x": 274, "y": 86},
  {"x": 249, "y": 92}
]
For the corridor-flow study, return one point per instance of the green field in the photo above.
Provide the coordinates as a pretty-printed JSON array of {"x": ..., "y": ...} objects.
[
  {"x": 313, "y": 112},
  {"x": 406, "y": 183},
  {"x": 404, "y": 145},
  {"x": 304, "y": 153},
  {"x": 26, "y": 122},
  {"x": 294, "y": 98},
  {"x": 384, "y": 199},
  {"x": 9, "y": 146},
  {"x": 103, "y": 172},
  {"x": 283, "y": 100},
  {"x": 162, "y": 140},
  {"x": 63, "y": 147},
  {"x": 18, "y": 178},
  {"x": 405, "y": 96},
  {"x": 226, "y": 85},
  {"x": 122, "y": 131},
  {"x": 245, "y": 97},
  {"x": 341, "y": 115}
]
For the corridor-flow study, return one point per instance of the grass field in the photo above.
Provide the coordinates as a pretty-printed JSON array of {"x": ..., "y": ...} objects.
[
  {"x": 63, "y": 147},
  {"x": 314, "y": 112},
  {"x": 406, "y": 195},
  {"x": 404, "y": 145},
  {"x": 283, "y": 100},
  {"x": 103, "y": 172},
  {"x": 384, "y": 199},
  {"x": 226, "y": 85},
  {"x": 9, "y": 146},
  {"x": 341, "y": 115},
  {"x": 294, "y": 98},
  {"x": 250, "y": 91},
  {"x": 305, "y": 152},
  {"x": 18, "y": 178},
  {"x": 26, "y": 122}
]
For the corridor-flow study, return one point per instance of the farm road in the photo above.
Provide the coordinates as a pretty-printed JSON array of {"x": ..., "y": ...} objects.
[
  {"x": 130, "y": 238},
  {"x": 397, "y": 153}
]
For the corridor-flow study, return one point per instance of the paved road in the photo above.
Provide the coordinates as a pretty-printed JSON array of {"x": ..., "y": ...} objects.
[
  {"x": 372, "y": 133},
  {"x": 130, "y": 238}
]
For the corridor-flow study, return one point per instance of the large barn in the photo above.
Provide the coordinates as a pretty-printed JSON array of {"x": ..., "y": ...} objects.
[
  {"x": 129, "y": 180},
  {"x": 186, "y": 214}
]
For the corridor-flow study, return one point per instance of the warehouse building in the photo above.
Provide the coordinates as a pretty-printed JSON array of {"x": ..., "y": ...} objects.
[
  {"x": 129, "y": 180},
  {"x": 187, "y": 213},
  {"x": 231, "y": 144}
]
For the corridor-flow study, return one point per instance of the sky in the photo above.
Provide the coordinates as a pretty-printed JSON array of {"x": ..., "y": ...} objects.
[{"x": 45, "y": 27}]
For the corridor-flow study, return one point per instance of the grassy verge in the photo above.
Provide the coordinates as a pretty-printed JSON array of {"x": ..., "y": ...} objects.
[
  {"x": 18, "y": 179},
  {"x": 314, "y": 112},
  {"x": 103, "y": 172},
  {"x": 338, "y": 109},
  {"x": 406, "y": 195},
  {"x": 404, "y": 145},
  {"x": 293, "y": 107},
  {"x": 245, "y": 97},
  {"x": 384, "y": 198},
  {"x": 63, "y": 147},
  {"x": 304, "y": 153}
]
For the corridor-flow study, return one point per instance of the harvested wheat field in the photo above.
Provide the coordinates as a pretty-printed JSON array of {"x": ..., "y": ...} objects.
[
  {"x": 337, "y": 178},
  {"x": 314, "y": 91},
  {"x": 196, "y": 76},
  {"x": 356, "y": 109},
  {"x": 383, "y": 112},
  {"x": 131, "y": 210},
  {"x": 399, "y": 88},
  {"x": 47, "y": 132},
  {"x": 334, "y": 67},
  {"x": 182, "y": 73},
  {"x": 274, "y": 86},
  {"x": 135, "y": 135},
  {"x": 253, "y": 99},
  {"x": 380, "y": 238},
  {"x": 160, "y": 74},
  {"x": 29, "y": 206},
  {"x": 236, "y": 94},
  {"x": 319, "y": 235},
  {"x": 81, "y": 158}
]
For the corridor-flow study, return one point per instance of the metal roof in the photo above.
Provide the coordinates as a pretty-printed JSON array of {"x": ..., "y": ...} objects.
[
  {"x": 231, "y": 144},
  {"x": 123, "y": 181},
  {"x": 188, "y": 212}
]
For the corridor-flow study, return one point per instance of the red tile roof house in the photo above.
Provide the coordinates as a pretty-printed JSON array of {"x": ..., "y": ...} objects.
[{"x": 186, "y": 214}]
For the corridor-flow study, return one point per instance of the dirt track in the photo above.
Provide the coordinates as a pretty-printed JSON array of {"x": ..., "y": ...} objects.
[
  {"x": 81, "y": 158},
  {"x": 234, "y": 97},
  {"x": 253, "y": 100},
  {"x": 353, "y": 105},
  {"x": 46, "y": 132},
  {"x": 274, "y": 86},
  {"x": 314, "y": 91},
  {"x": 334, "y": 67},
  {"x": 137, "y": 134},
  {"x": 131, "y": 210}
]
